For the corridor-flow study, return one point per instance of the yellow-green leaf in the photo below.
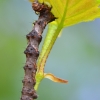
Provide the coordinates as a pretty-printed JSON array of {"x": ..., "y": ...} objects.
[
  {"x": 74, "y": 11},
  {"x": 68, "y": 12}
]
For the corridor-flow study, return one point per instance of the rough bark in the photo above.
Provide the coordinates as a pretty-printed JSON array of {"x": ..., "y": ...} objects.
[{"x": 34, "y": 38}]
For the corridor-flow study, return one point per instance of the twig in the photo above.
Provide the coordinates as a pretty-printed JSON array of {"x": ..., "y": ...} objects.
[{"x": 34, "y": 38}]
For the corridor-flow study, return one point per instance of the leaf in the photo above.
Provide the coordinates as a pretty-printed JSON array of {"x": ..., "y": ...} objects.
[
  {"x": 71, "y": 12},
  {"x": 40, "y": 76},
  {"x": 68, "y": 12},
  {"x": 54, "y": 78}
]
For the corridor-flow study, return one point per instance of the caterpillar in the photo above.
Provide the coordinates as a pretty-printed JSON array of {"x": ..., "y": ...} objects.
[{"x": 34, "y": 38}]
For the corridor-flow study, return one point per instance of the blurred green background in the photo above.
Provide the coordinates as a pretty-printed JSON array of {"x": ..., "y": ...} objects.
[{"x": 75, "y": 56}]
